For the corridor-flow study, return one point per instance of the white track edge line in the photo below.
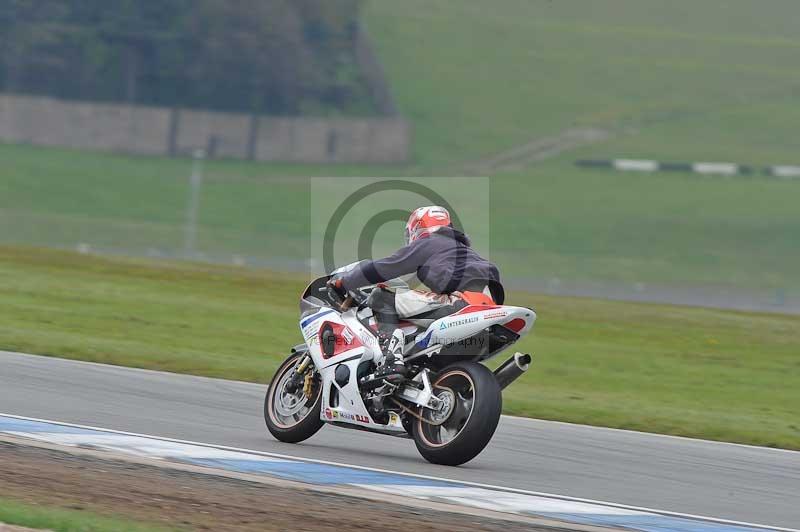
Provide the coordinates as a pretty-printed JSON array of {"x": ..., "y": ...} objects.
[
  {"x": 521, "y": 418},
  {"x": 415, "y": 475}
]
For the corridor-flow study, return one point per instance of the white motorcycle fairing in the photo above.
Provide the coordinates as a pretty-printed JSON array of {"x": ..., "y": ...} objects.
[
  {"x": 354, "y": 344},
  {"x": 447, "y": 401},
  {"x": 469, "y": 321}
]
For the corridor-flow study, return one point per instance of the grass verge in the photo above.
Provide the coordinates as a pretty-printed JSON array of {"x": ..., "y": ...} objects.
[
  {"x": 552, "y": 221},
  {"x": 713, "y": 374},
  {"x": 65, "y": 520}
]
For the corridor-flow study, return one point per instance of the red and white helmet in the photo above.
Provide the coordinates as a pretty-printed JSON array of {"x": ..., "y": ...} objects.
[{"x": 425, "y": 221}]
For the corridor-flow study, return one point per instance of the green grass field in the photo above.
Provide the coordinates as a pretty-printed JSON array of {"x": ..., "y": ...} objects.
[
  {"x": 707, "y": 80},
  {"x": 705, "y": 373},
  {"x": 64, "y": 520},
  {"x": 675, "y": 81},
  {"x": 681, "y": 80},
  {"x": 556, "y": 221}
]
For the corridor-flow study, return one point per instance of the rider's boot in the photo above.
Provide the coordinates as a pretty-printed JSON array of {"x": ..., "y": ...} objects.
[{"x": 393, "y": 367}]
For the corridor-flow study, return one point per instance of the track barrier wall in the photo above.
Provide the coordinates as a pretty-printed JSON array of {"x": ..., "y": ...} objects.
[{"x": 161, "y": 131}]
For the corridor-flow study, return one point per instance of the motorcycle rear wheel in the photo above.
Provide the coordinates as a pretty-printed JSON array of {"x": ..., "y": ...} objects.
[
  {"x": 473, "y": 403},
  {"x": 291, "y": 417}
]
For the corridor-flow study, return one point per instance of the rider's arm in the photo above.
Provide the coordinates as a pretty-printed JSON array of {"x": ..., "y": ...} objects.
[{"x": 404, "y": 261}]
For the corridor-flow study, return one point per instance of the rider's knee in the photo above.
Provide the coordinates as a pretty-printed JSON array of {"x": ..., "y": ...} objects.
[{"x": 381, "y": 301}]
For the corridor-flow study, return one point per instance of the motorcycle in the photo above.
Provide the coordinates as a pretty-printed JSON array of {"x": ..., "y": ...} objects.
[{"x": 449, "y": 403}]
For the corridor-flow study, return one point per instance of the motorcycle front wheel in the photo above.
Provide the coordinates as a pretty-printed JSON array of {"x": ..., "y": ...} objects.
[
  {"x": 292, "y": 416},
  {"x": 471, "y": 407}
]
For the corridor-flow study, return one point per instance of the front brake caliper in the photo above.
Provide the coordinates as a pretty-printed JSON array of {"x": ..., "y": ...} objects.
[{"x": 308, "y": 384}]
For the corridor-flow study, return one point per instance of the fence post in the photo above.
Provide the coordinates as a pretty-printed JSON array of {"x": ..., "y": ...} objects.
[{"x": 195, "y": 182}]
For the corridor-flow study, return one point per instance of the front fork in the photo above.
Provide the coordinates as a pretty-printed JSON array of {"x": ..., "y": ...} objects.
[{"x": 302, "y": 377}]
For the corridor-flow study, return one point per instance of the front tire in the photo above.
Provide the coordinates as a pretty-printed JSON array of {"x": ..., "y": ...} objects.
[
  {"x": 292, "y": 417},
  {"x": 465, "y": 426}
]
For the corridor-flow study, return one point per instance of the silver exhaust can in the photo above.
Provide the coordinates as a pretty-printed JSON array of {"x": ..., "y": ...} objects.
[{"x": 512, "y": 369}]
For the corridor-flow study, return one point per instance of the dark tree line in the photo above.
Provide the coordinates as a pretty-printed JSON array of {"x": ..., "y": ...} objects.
[{"x": 264, "y": 56}]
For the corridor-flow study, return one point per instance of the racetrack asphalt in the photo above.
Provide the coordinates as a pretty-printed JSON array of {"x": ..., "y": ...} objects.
[{"x": 736, "y": 482}]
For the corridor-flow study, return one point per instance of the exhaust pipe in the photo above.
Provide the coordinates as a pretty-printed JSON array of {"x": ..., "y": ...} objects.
[{"x": 512, "y": 369}]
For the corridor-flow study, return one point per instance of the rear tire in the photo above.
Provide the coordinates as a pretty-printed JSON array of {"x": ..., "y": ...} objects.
[
  {"x": 284, "y": 425},
  {"x": 463, "y": 432}
]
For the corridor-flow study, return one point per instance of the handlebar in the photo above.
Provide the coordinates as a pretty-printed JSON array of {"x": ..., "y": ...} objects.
[{"x": 343, "y": 302}]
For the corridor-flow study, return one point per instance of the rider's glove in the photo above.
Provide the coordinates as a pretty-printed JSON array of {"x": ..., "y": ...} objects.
[{"x": 337, "y": 285}]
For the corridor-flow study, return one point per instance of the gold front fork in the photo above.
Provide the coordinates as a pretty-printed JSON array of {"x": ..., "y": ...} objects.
[{"x": 308, "y": 380}]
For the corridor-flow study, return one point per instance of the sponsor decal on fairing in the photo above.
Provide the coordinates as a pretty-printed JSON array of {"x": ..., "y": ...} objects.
[
  {"x": 455, "y": 323},
  {"x": 334, "y": 415}
]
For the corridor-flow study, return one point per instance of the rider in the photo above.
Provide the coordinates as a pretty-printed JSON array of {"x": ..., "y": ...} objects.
[{"x": 442, "y": 259}]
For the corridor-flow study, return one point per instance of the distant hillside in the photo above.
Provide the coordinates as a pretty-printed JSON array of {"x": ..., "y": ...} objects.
[{"x": 718, "y": 79}]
